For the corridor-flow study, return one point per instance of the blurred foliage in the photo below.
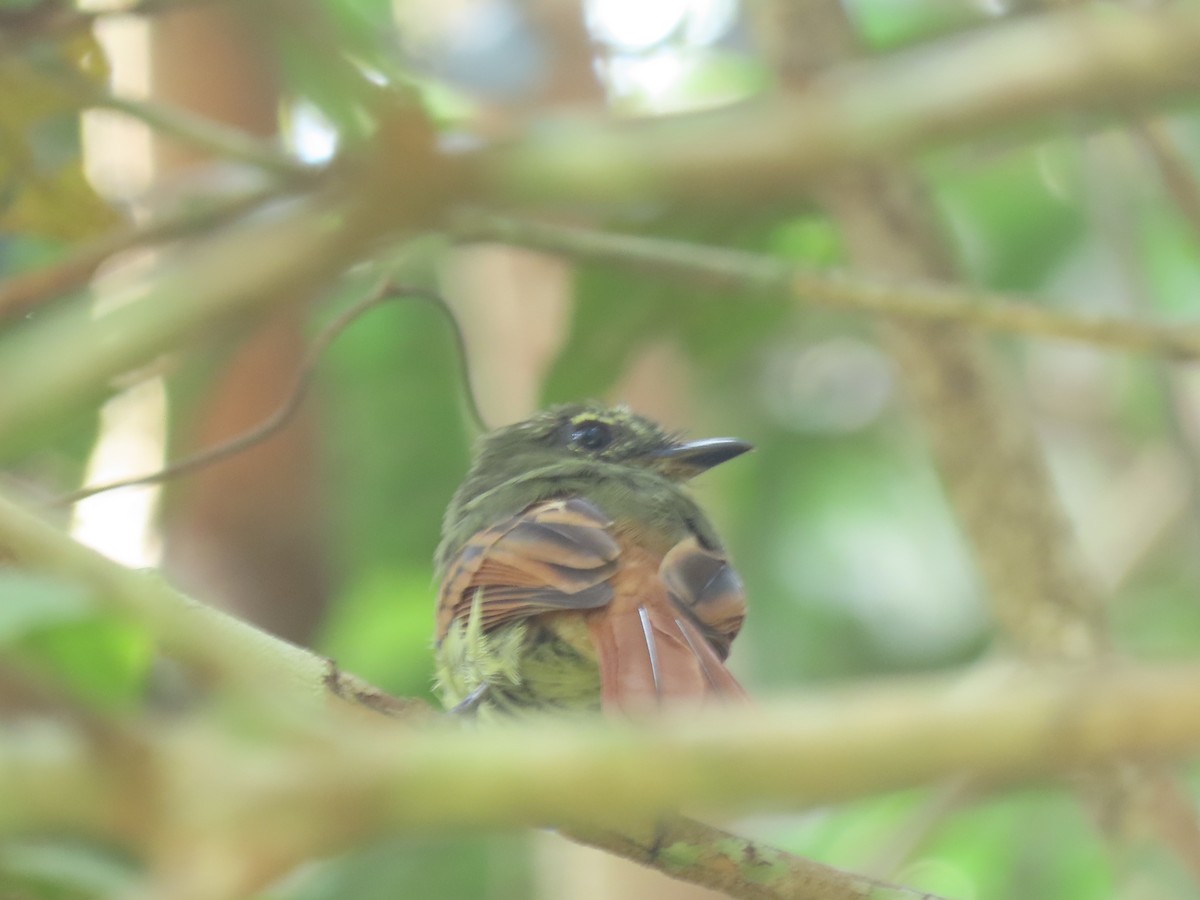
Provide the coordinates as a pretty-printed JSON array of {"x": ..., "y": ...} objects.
[
  {"x": 618, "y": 314},
  {"x": 497, "y": 869},
  {"x": 43, "y": 191},
  {"x": 837, "y": 522},
  {"x": 56, "y": 630},
  {"x": 62, "y": 870}
]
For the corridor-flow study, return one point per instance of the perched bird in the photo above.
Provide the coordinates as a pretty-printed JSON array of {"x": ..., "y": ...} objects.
[{"x": 578, "y": 574}]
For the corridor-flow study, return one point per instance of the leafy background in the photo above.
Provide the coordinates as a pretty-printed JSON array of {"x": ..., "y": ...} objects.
[{"x": 854, "y": 566}]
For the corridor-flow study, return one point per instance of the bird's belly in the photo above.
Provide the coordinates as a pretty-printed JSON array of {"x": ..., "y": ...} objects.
[
  {"x": 543, "y": 663},
  {"x": 558, "y": 669}
]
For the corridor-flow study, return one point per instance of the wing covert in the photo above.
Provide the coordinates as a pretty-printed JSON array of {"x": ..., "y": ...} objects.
[
  {"x": 708, "y": 589},
  {"x": 556, "y": 555}
]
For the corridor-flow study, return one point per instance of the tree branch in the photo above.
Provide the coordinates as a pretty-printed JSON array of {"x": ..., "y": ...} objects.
[
  {"x": 1102, "y": 58},
  {"x": 718, "y": 268},
  {"x": 300, "y": 790},
  {"x": 22, "y": 293},
  {"x": 242, "y": 269},
  {"x": 700, "y": 854},
  {"x": 227, "y": 651},
  {"x": 212, "y": 137}
]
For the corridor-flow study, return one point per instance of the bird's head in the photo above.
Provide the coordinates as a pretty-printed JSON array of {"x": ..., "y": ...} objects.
[{"x": 582, "y": 433}]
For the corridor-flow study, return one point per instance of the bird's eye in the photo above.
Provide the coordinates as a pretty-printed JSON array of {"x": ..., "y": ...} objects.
[{"x": 591, "y": 435}]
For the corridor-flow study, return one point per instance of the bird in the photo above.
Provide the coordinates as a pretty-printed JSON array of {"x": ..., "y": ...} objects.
[{"x": 577, "y": 574}]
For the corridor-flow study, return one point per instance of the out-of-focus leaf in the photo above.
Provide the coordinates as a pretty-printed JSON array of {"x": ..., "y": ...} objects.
[
  {"x": 617, "y": 313},
  {"x": 1016, "y": 217},
  {"x": 33, "y": 603},
  {"x": 490, "y": 868},
  {"x": 366, "y": 29},
  {"x": 381, "y": 630},
  {"x": 324, "y": 61},
  {"x": 1028, "y": 844},
  {"x": 888, "y": 24},
  {"x": 62, "y": 870},
  {"x": 1032, "y": 845},
  {"x": 398, "y": 446},
  {"x": 19, "y": 5},
  {"x": 55, "y": 627},
  {"x": 43, "y": 190},
  {"x": 1172, "y": 260}
]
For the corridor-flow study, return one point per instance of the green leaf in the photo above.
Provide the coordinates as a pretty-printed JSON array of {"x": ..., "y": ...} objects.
[
  {"x": 381, "y": 630},
  {"x": 1018, "y": 217},
  {"x": 55, "y": 628},
  {"x": 32, "y": 603},
  {"x": 43, "y": 190},
  {"x": 49, "y": 869},
  {"x": 618, "y": 313}
]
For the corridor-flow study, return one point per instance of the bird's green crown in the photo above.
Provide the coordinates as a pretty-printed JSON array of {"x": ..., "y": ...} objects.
[{"x": 584, "y": 433}]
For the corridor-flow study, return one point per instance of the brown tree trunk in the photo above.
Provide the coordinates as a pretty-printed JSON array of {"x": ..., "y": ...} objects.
[{"x": 247, "y": 532}]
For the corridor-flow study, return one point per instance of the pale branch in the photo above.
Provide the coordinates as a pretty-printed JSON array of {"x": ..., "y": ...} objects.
[
  {"x": 283, "y": 788},
  {"x": 240, "y": 269},
  {"x": 1100, "y": 58},
  {"x": 1174, "y": 168},
  {"x": 718, "y": 268},
  {"x": 24, "y": 292},
  {"x": 69, "y": 357},
  {"x": 980, "y": 437},
  {"x": 212, "y": 137},
  {"x": 225, "y": 650}
]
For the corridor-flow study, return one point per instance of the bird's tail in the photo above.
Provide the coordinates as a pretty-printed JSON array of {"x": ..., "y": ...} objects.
[{"x": 651, "y": 654}]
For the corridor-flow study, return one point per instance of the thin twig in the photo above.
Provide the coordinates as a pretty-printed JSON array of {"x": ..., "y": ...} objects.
[
  {"x": 212, "y": 137},
  {"x": 386, "y": 291},
  {"x": 733, "y": 270}
]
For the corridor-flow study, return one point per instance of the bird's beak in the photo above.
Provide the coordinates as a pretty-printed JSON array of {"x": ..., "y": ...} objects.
[{"x": 687, "y": 460}]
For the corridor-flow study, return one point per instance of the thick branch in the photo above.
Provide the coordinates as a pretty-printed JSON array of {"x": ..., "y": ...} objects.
[
  {"x": 22, "y": 293},
  {"x": 1105, "y": 58},
  {"x": 69, "y": 357},
  {"x": 369, "y": 776},
  {"x": 225, "y": 649}
]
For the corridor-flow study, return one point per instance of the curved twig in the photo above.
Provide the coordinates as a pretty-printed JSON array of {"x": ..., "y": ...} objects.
[{"x": 385, "y": 291}]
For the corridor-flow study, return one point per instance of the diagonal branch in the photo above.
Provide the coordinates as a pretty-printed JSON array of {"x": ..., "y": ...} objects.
[
  {"x": 20, "y": 294},
  {"x": 692, "y": 851},
  {"x": 719, "y": 268}
]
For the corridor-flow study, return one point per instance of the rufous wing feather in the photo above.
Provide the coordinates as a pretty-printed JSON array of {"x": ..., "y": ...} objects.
[
  {"x": 664, "y": 637},
  {"x": 554, "y": 556},
  {"x": 661, "y": 627}
]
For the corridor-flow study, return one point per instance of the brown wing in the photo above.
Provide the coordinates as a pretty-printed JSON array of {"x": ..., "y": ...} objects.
[
  {"x": 709, "y": 589},
  {"x": 661, "y": 627},
  {"x": 554, "y": 556},
  {"x": 667, "y": 632}
]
